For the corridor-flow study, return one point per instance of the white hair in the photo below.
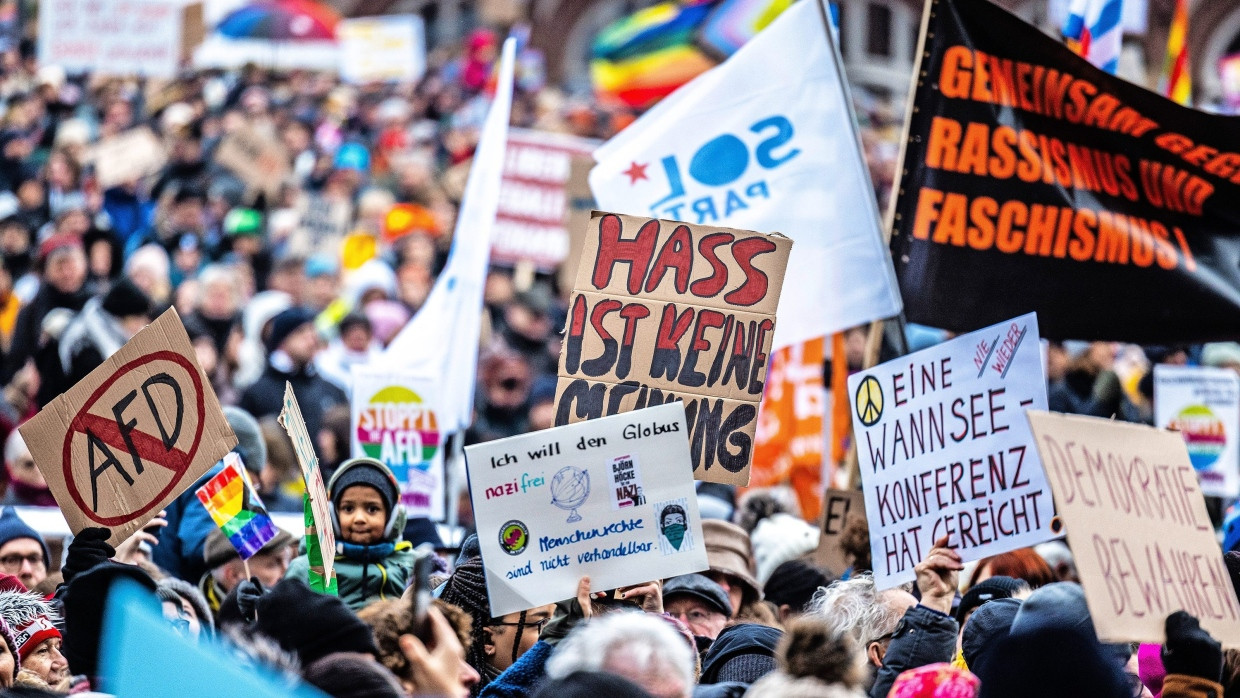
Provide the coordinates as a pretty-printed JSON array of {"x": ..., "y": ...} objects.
[
  {"x": 151, "y": 257},
  {"x": 647, "y": 642},
  {"x": 14, "y": 447},
  {"x": 856, "y": 607},
  {"x": 218, "y": 274}
]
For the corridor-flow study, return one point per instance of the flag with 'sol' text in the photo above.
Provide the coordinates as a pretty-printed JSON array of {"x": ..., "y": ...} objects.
[{"x": 765, "y": 142}]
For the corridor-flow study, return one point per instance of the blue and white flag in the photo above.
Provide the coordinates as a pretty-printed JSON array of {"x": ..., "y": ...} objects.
[
  {"x": 766, "y": 142},
  {"x": 1094, "y": 29},
  {"x": 441, "y": 341}
]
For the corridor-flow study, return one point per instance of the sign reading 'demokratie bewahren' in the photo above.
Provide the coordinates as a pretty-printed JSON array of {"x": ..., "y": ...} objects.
[
  {"x": 612, "y": 498},
  {"x": 1136, "y": 519},
  {"x": 132, "y": 435},
  {"x": 944, "y": 449},
  {"x": 665, "y": 311}
]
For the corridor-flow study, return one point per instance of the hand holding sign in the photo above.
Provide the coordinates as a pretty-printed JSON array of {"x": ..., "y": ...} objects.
[
  {"x": 938, "y": 576},
  {"x": 131, "y": 436}
]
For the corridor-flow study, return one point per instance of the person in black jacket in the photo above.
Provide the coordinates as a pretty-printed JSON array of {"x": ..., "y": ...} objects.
[
  {"x": 927, "y": 632},
  {"x": 291, "y": 346},
  {"x": 102, "y": 327},
  {"x": 62, "y": 263}
]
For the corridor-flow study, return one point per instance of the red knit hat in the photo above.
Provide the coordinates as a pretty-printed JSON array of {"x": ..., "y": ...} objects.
[{"x": 31, "y": 619}]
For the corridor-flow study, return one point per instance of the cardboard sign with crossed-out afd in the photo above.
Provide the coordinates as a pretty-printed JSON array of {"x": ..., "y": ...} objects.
[
  {"x": 320, "y": 535},
  {"x": 131, "y": 436}
]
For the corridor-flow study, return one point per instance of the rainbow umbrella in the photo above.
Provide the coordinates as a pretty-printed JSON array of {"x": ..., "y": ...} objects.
[{"x": 281, "y": 20}]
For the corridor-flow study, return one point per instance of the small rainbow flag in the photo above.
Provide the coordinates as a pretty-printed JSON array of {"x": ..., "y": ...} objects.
[{"x": 236, "y": 509}]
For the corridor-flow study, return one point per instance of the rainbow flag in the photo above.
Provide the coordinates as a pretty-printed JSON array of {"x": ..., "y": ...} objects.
[
  {"x": 234, "y": 507},
  {"x": 1179, "y": 82}
]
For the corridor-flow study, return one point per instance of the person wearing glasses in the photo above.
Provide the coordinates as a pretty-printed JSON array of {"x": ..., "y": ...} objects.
[
  {"x": 23, "y": 553},
  {"x": 699, "y": 603}
]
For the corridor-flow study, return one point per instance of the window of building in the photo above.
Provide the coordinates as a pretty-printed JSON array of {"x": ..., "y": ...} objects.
[{"x": 878, "y": 30}]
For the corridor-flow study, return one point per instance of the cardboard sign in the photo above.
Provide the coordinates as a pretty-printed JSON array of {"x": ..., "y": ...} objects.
[
  {"x": 382, "y": 49},
  {"x": 1203, "y": 404},
  {"x": 394, "y": 420},
  {"x": 612, "y": 498},
  {"x": 132, "y": 435},
  {"x": 128, "y": 157},
  {"x": 1136, "y": 520},
  {"x": 129, "y": 37},
  {"x": 321, "y": 534},
  {"x": 666, "y": 311},
  {"x": 578, "y": 207},
  {"x": 259, "y": 159},
  {"x": 533, "y": 198},
  {"x": 322, "y": 226},
  {"x": 944, "y": 451},
  {"x": 839, "y": 507}
]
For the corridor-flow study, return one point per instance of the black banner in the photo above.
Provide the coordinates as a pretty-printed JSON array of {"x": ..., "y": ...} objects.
[{"x": 1036, "y": 182}]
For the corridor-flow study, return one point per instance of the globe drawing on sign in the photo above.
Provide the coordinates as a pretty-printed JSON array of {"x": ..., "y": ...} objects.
[{"x": 570, "y": 487}]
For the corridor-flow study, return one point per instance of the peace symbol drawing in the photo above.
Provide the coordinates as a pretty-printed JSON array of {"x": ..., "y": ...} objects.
[{"x": 869, "y": 401}]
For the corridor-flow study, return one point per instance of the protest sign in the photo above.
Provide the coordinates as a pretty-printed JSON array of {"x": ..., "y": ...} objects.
[
  {"x": 258, "y": 158},
  {"x": 117, "y": 37},
  {"x": 1025, "y": 163},
  {"x": 665, "y": 311},
  {"x": 530, "y": 222},
  {"x": 943, "y": 449},
  {"x": 127, "y": 157},
  {"x": 132, "y": 435},
  {"x": 578, "y": 207},
  {"x": 839, "y": 509},
  {"x": 320, "y": 535},
  {"x": 322, "y": 226},
  {"x": 1203, "y": 404},
  {"x": 612, "y": 498},
  {"x": 382, "y": 49},
  {"x": 789, "y": 440},
  {"x": 1136, "y": 520},
  {"x": 394, "y": 420},
  {"x": 767, "y": 142}
]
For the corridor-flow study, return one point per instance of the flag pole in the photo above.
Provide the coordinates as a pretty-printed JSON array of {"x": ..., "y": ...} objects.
[{"x": 874, "y": 336}]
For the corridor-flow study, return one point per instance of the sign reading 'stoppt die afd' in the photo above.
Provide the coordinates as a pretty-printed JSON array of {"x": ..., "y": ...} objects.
[
  {"x": 612, "y": 498},
  {"x": 664, "y": 311},
  {"x": 1203, "y": 404},
  {"x": 945, "y": 450},
  {"x": 132, "y": 435}
]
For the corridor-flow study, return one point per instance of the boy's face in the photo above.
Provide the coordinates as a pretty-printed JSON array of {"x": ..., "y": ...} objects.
[{"x": 362, "y": 515}]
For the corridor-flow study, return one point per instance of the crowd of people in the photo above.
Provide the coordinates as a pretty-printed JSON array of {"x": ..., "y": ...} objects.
[{"x": 267, "y": 297}]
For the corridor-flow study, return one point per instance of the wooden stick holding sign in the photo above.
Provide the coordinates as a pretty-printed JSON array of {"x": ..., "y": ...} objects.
[
  {"x": 1136, "y": 519},
  {"x": 131, "y": 436},
  {"x": 320, "y": 535}
]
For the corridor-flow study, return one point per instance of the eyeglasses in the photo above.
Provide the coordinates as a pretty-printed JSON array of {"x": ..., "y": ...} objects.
[
  {"x": 694, "y": 616},
  {"x": 540, "y": 624},
  {"x": 13, "y": 562},
  {"x": 1135, "y": 687}
]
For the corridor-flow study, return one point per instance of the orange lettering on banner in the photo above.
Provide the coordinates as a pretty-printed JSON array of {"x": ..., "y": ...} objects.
[{"x": 788, "y": 443}]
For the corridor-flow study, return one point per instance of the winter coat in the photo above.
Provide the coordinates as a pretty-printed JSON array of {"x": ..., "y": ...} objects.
[
  {"x": 365, "y": 573},
  {"x": 88, "y": 340},
  {"x": 181, "y": 542},
  {"x": 520, "y": 679},
  {"x": 265, "y": 397},
  {"x": 29, "y": 326},
  {"x": 923, "y": 636}
]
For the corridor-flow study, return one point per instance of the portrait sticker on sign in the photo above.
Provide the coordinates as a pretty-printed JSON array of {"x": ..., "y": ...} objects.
[
  {"x": 131, "y": 436},
  {"x": 1136, "y": 520},
  {"x": 612, "y": 498},
  {"x": 944, "y": 449}
]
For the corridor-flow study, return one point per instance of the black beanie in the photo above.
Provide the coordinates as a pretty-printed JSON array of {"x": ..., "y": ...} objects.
[
  {"x": 362, "y": 471},
  {"x": 309, "y": 624},
  {"x": 125, "y": 299},
  {"x": 286, "y": 323},
  {"x": 794, "y": 583},
  {"x": 84, "y": 600}
]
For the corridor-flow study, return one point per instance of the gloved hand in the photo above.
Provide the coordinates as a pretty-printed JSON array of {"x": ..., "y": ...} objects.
[
  {"x": 249, "y": 591},
  {"x": 89, "y": 548},
  {"x": 1190, "y": 650}
]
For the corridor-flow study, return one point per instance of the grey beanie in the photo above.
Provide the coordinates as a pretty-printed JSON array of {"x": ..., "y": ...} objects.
[{"x": 250, "y": 445}]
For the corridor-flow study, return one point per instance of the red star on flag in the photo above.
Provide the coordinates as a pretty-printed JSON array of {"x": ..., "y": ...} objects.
[{"x": 636, "y": 172}]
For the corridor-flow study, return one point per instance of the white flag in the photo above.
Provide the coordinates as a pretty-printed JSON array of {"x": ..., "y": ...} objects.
[
  {"x": 763, "y": 142},
  {"x": 442, "y": 339}
]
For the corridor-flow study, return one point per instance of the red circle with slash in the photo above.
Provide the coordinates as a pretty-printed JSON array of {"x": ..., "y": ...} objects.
[{"x": 108, "y": 431}]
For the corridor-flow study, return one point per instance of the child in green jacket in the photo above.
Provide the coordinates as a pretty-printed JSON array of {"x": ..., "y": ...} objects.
[{"x": 372, "y": 562}]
